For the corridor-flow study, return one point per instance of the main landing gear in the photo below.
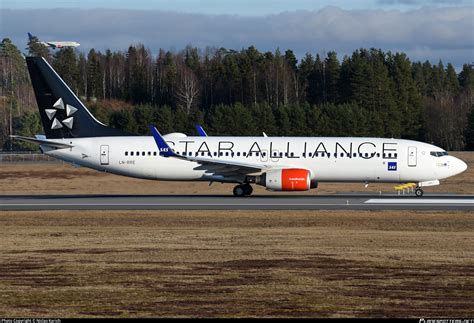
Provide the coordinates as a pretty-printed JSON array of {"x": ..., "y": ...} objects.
[
  {"x": 419, "y": 192},
  {"x": 243, "y": 190}
]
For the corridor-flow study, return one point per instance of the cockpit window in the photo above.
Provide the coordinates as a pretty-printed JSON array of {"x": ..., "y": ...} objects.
[{"x": 439, "y": 153}]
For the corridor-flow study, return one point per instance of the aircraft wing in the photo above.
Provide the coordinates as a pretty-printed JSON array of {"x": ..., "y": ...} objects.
[
  {"x": 47, "y": 142},
  {"x": 53, "y": 45},
  {"x": 210, "y": 165}
]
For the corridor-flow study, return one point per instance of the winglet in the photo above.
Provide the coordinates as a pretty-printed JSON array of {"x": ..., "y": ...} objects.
[
  {"x": 30, "y": 36},
  {"x": 163, "y": 147},
  {"x": 201, "y": 131}
]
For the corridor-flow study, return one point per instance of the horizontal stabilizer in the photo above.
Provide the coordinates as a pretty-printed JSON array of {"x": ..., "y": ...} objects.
[{"x": 47, "y": 142}]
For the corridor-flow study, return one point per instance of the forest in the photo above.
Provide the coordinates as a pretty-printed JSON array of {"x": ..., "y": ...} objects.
[{"x": 247, "y": 92}]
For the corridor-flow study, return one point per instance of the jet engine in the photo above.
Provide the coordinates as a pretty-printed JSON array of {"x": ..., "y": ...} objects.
[{"x": 290, "y": 179}]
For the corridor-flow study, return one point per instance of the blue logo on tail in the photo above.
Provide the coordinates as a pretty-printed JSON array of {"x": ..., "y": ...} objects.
[{"x": 392, "y": 166}]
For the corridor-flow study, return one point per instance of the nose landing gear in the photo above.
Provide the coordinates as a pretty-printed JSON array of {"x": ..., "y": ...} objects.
[{"x": 243, "y": 190}]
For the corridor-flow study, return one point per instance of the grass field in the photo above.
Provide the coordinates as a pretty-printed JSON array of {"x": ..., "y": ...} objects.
[
  {"x": 229, "y": 263},
  {"x": 234, "y": 263}
]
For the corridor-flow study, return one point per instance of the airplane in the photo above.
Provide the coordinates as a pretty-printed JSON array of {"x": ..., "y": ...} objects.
[
  {"x": 74, "y": 135},
  {"x": 55, "y": 44}
]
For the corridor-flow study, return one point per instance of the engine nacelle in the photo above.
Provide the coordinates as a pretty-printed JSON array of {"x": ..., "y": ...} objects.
[{"x": 290, "y": 179}]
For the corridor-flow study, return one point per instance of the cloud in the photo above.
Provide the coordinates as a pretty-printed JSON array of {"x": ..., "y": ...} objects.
[{"x": 426, "y": 33}]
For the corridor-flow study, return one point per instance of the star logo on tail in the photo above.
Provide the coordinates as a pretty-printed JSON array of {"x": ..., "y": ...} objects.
[{"x": 68, "y": 109}]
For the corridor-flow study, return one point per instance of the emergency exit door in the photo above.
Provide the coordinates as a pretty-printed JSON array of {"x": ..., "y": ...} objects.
[
  {"x": 412, "y": 156},
  {"x": 104, "y": 155}
]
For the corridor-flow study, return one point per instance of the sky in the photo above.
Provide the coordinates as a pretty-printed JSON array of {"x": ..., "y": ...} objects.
[
  {"x": 425, "y": 29},
  {"x": 238, "y": 7}
]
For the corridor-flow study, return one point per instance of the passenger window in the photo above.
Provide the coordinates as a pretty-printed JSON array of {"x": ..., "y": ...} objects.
[
  {"x": 227, "y": 153},
  {"x": 149, "y": 153},
  {"x": 366, "y": 154},
  {"x": 126, "y": 153},
  {"x": 354, "y": 155},
  {"x": 131, "y": 153},
  {"x": 238, "y": 154},
  {"x": 215, "y": 153}
]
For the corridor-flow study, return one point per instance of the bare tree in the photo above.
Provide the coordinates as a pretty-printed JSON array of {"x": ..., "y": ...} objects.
[{"x": 188, "y": 89}]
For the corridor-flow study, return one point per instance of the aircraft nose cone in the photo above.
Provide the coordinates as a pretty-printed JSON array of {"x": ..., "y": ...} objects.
[
  {"x": 463, "y": 166},
  {"x": 460, "y": 166}
]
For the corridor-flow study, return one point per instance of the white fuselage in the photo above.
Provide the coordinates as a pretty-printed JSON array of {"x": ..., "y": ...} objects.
[
  {"x": 327, "y": 159},
  {"x": 61, "y": 44}
]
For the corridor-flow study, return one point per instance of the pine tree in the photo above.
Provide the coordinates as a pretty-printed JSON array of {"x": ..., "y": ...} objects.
[
  {"x": 35, "y": 48},
  {"x": 451, "y": 81},
  {"x": 331, "y": 77},
  {"x": 264, "y": 118},
  {"x": 469, "y": 132},
  {"x": 306, "y": 68},
  {"x": 466, "y": 78},
  {"x": 65, "y": 64},
  {"x": 406, "y": 95}
]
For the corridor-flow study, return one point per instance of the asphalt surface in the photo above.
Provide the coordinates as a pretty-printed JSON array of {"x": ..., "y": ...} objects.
[{"x": 222, "y": 202}]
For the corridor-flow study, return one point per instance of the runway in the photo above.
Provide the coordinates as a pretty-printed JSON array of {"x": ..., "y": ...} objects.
[{"x": 222, "y": 202}]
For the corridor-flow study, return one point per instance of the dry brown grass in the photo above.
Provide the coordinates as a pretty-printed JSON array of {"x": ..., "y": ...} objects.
[
  {"x": 237, "y": 263},
  {"x": 64, "y": 179},
  {"x": 229, "y": 263}
]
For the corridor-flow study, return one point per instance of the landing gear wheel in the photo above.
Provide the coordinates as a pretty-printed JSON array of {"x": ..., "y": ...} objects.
[
  {"x": 419, "y": 192},
  {"x": 247, "y": 189},
  {"x": 239, "y": 191}
]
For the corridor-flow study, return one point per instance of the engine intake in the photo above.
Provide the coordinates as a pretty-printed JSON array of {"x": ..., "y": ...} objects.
[{"x": 290, "y": 179}]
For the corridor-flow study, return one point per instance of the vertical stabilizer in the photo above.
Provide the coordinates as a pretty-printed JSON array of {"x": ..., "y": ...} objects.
[{"x": 63, "y": 115}]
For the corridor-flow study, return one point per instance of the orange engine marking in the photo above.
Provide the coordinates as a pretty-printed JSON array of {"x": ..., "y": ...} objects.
[{"x": 294, "y": 179}]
